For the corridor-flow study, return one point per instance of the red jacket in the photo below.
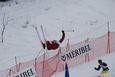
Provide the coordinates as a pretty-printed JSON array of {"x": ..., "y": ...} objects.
[{"x": 52, "y": 45}]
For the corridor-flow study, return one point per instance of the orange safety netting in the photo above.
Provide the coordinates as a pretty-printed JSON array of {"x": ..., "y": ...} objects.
[{"x": 45, "y": 67}]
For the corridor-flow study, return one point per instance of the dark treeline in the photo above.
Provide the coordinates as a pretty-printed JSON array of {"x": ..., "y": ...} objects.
[{"x": 4, "y": 0}]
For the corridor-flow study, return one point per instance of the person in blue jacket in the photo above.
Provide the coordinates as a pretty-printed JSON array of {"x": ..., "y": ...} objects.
[{"x": 103, "y": 66}]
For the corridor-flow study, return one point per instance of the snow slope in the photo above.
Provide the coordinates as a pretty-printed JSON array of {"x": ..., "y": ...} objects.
[
  {"x": 87, "y": 17},
  {"x": 87, "y": 69}
]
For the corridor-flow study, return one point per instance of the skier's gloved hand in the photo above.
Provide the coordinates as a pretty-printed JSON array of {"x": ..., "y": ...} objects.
[
  {"x": 62, "y": 31},
  {"x": 43, "y": 45},
  {"x": 95, "y": 68}
]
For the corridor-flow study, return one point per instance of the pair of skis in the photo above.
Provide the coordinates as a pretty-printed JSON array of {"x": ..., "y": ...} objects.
[
  {"x": 36, "y": 29},
  {"x": 45, "y": 53}
]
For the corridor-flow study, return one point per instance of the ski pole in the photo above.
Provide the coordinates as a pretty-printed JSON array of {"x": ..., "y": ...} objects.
[
  {"x": 35, "y": 27},
  {"x": 69, "y": 30}
]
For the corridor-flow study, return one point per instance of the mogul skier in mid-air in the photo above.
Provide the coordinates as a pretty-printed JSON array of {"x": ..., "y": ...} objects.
[{"x": 53, "y": 45}]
